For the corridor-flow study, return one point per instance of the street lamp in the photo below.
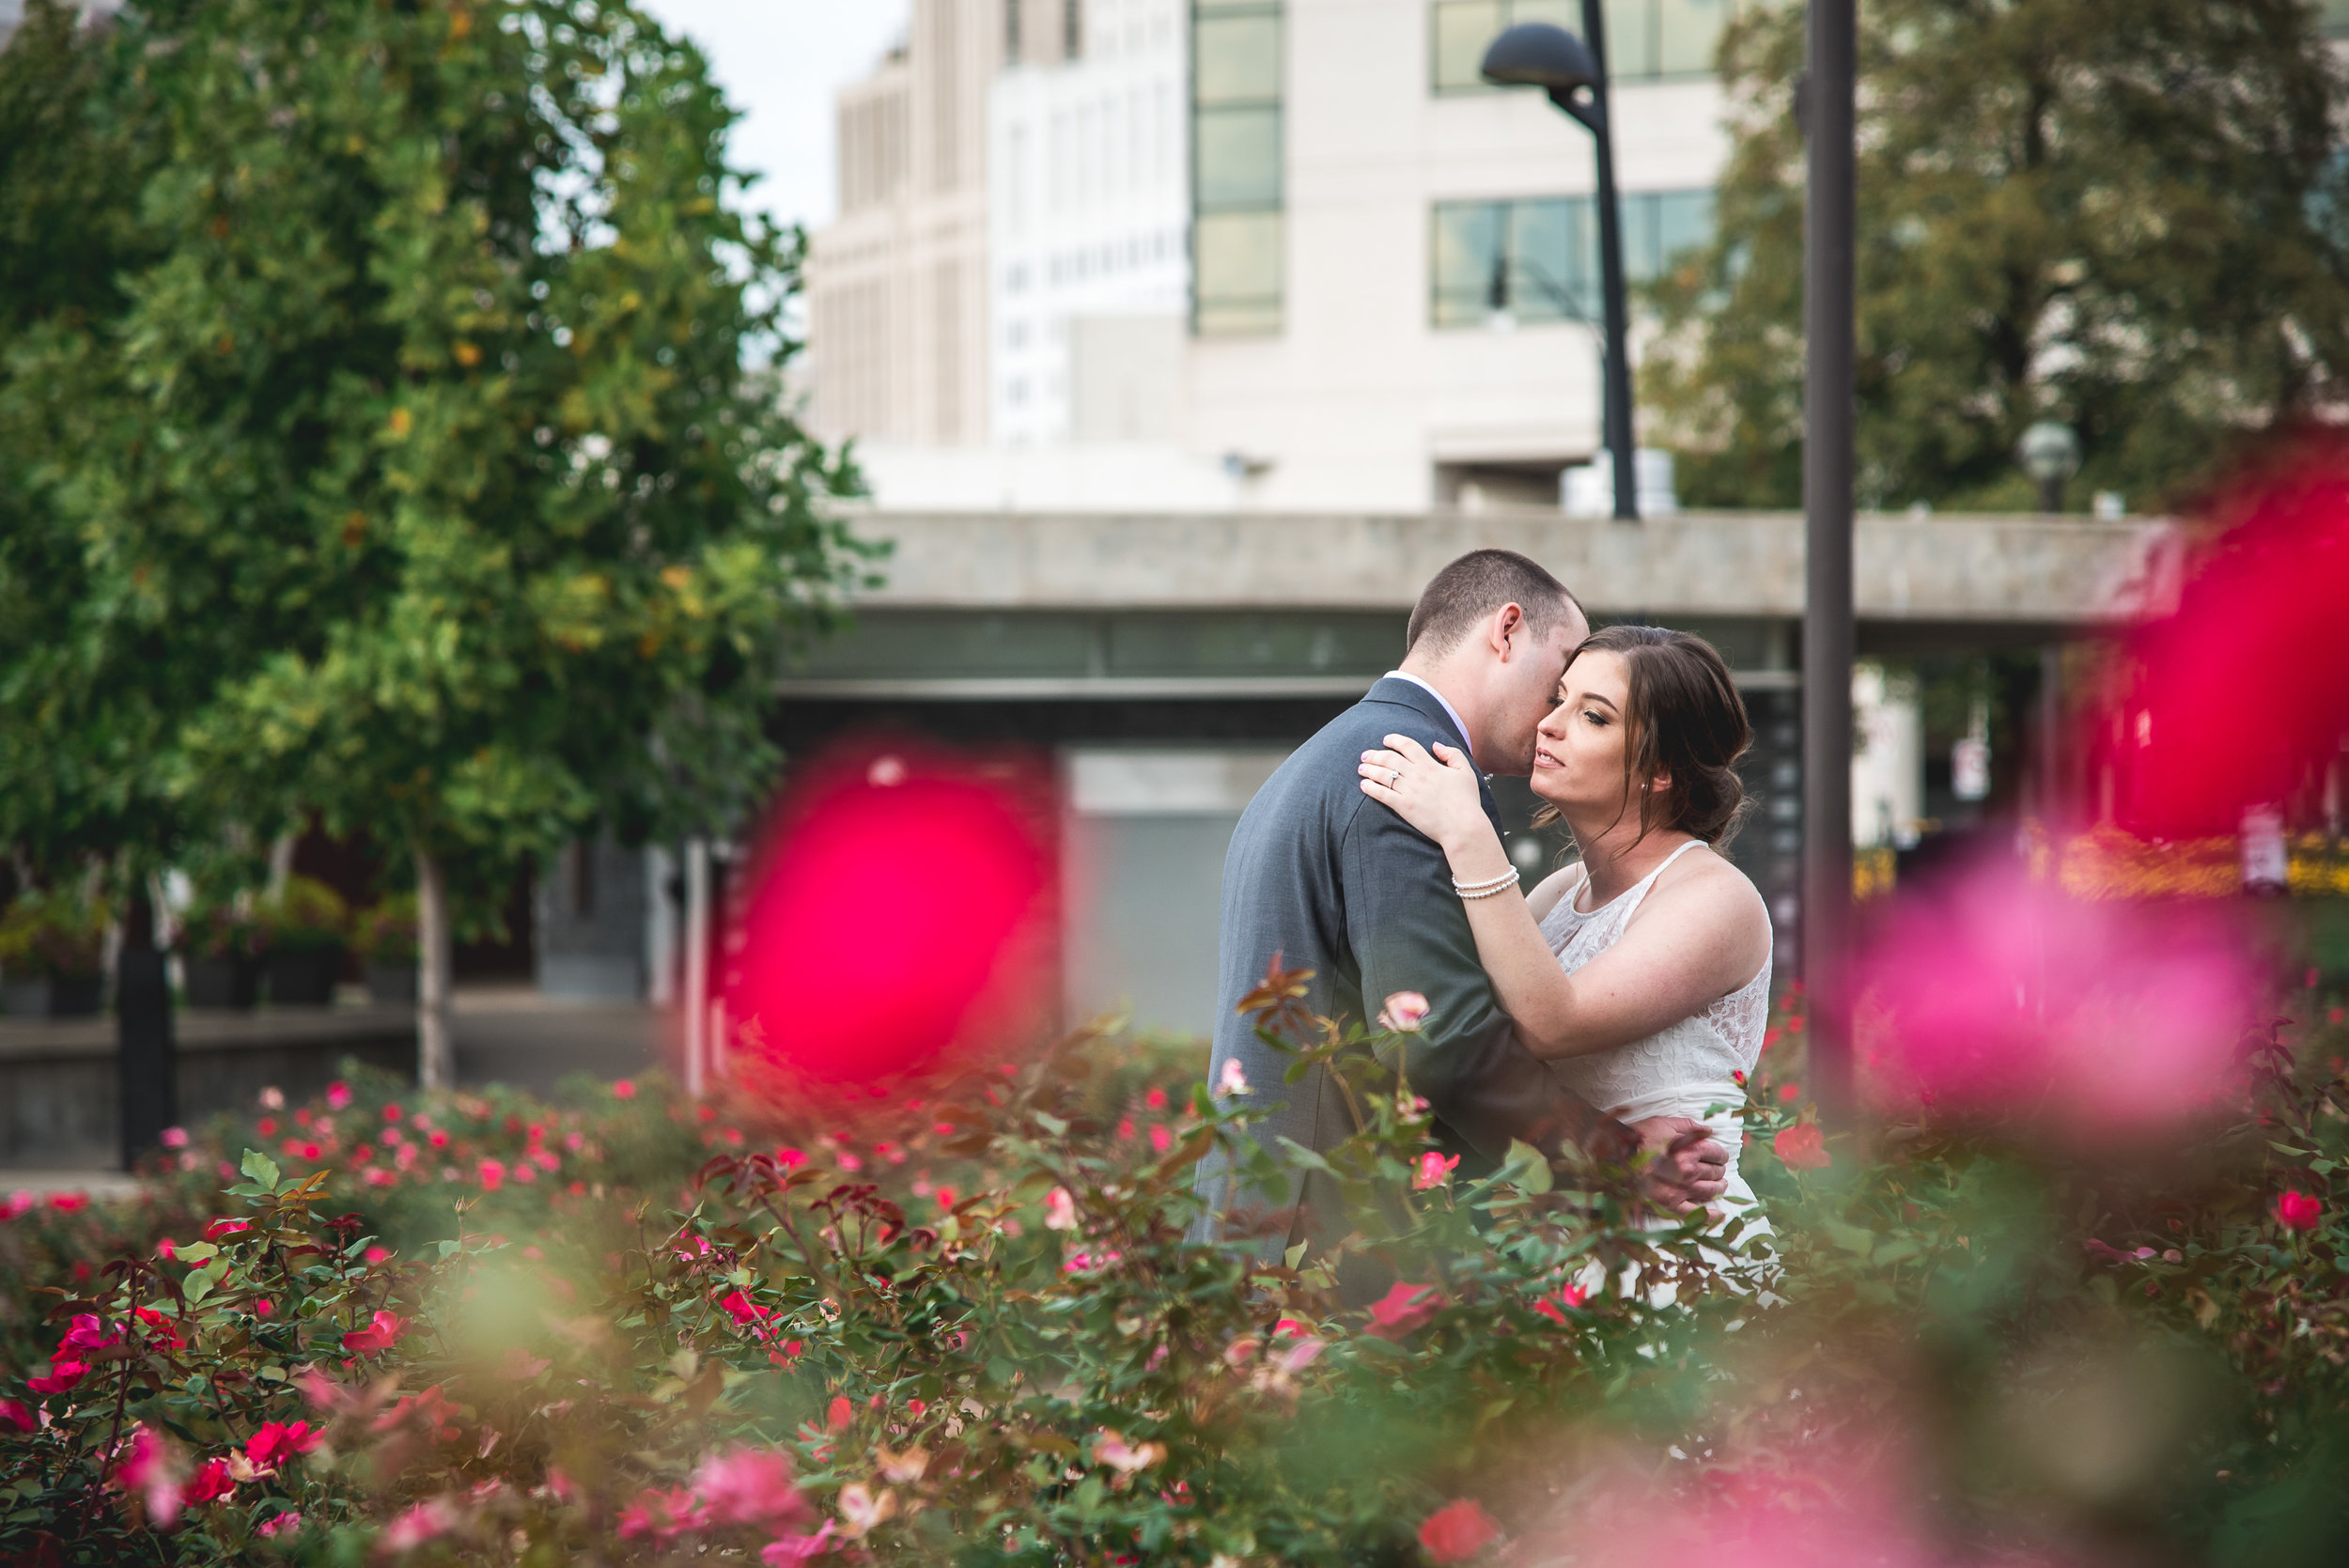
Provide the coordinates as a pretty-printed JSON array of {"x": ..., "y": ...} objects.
[
  {"x": 2051, "y": 453},
  {"x": 1574, "y": 73}
]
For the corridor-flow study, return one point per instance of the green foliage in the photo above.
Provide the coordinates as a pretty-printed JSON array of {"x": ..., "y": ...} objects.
[
  {"x": 968, "y": 1329},
  {"x": 61, "y": 933},
  {"x": 304, "y": 913},
  {"x": 386, "y": 933},
  {"x": 426, "y": 467},
  {"x": 2121, "y": 214}
]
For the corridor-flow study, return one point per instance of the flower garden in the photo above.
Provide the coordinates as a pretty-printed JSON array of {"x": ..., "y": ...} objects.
[{"x": 963, "y": 1326}]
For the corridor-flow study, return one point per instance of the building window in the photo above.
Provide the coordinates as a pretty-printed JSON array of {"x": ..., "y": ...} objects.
[
  {"x": 1646, "y": 39},
  {"x": 1237, "y": 166},
  {"x": 1537, "y": 260}
]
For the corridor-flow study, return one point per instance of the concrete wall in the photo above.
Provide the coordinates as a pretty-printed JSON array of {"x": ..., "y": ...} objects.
[{"x": 1984, "y": 571}]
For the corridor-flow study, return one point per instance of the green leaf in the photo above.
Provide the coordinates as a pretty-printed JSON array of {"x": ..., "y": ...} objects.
[
  {"x": 262, "y": 1169},
  {"x": 1525, "y": 1168},
  {"x": 1300, "y": 1155}
]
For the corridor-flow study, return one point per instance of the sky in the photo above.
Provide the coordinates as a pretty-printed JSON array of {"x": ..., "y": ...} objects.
[{"x": 780, "y": 61}]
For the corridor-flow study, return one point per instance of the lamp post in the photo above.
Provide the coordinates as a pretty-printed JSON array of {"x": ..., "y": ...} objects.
[
  {"x": 1574, "y": 73},
  {"x": 2051, "y": 453},
  {"x": 1829, "y": 635}
]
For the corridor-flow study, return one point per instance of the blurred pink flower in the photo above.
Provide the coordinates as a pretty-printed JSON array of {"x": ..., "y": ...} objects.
[
  {"x": 151, "y": 1466},
  {"x": 1802, "y": 1146},
  {"x": 277, "y": 1442},
  {"x": 1457, "y": 1531},
  {"x": 17, "y": 1415},
  {"x": 749, "y": 1486},
  {"x": 1233, "y": 1080},
  {"x": 1125, "y": 1457},
  {"x": 2297, "y": 1211},
  {"x": 492, "y": 1173},
  {"x": 787, "y": 1550},
  {"x": 428, "y": 1520},
  {"x": 1060, "y": 1210},
  {"x": 175, "y": 1137},
  {"x": 1403, "y": 1308},
  {"x": 1434, "y": 1170},
  {"x": 623, "y": 1089},
  {"x": 338, "y": 1095},
  {"x": 1162, "y": 1137},
  {"x": 1403, "y": 1012},
  {"x": 1989, "y": 993},
  {"x": 287, "y": 1523}
]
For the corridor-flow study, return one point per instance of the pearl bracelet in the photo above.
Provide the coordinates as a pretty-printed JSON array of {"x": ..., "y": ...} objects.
[{"x": 1487, "y": 890}]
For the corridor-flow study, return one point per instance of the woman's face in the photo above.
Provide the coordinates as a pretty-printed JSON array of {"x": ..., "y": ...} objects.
[{"x": 1579, "y": 750}]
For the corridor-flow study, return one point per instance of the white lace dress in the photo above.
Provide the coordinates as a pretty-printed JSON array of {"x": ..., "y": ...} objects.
[{"x": 1683, "y": 1069}]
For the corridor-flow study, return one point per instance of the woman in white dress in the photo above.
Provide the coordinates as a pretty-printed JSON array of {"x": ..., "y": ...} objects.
[{"x": 1642, "y": 972}]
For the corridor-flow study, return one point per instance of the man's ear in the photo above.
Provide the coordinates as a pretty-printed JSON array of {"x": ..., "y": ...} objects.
[{"x": 1503, "y": 629}]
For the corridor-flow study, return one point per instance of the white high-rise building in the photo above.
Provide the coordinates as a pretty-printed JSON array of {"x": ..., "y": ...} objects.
[
  {"x": 1285, "y": 254},
  {"x": 1089, "y": 197}
]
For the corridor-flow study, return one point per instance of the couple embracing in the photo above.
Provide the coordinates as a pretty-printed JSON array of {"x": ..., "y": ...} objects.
[{"x": 1607, "y": 1006}]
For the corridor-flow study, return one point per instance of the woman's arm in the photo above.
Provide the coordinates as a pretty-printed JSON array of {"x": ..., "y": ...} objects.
[{"x": 1702, "y": 933}]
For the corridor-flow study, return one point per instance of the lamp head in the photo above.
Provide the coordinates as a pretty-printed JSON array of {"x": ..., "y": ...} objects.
[
  {"x": 2049, "y": 451},
  {"x": 1540, "y": 55}
]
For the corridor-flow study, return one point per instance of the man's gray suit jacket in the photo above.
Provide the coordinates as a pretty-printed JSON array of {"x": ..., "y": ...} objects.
[{"x": 1337, "y": 883}]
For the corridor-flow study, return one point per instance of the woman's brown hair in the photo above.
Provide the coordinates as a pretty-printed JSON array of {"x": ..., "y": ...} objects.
[{"x": 1687, "y": 720}]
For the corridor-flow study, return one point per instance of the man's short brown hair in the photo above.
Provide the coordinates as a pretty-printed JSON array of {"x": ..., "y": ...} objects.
[{"x": 1475, "y": 585}]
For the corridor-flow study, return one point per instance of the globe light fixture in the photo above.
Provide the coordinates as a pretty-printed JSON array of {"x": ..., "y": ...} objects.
[{"x": 2051, "y": 453}]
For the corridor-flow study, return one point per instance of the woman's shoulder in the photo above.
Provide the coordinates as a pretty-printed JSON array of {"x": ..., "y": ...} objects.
[{"x": 1706, "y": 878}]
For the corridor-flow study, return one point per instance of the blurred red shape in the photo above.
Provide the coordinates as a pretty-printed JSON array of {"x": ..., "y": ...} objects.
[
  {"x": 1457, "y": 1531},
  {"x": 1988, "y": 993},
  {"x": 896, "y": 923},
  {"x": 2237, "y": 691}
]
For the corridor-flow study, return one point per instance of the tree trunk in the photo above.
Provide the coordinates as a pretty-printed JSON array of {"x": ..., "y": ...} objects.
[{"x": 436, "y": 1048}]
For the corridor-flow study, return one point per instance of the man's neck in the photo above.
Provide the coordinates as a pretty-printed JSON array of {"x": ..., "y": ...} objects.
[{"x": 1447, "y": 684}]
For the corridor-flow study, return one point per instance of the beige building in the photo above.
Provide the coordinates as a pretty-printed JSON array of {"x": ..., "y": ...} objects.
[{"x": 897, "y": 287}]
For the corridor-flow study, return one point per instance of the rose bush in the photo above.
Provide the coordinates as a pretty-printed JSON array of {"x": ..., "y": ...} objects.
[{"x": 968, "y": 1328}]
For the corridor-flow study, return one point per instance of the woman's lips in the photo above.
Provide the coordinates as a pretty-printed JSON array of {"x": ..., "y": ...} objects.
[{"x": 1541, "y": 755}]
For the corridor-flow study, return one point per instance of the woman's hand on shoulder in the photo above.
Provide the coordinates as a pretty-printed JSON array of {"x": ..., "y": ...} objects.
[{"x": 1435, "y": 792}]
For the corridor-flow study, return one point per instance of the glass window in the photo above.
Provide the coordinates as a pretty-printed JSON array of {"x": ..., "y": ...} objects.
[
  {"x": 1684, "y": 221},
  {"x": 1630, "y": 39},
  {"x": 1537, "y": 260},
  {"x": 1239, "y": 157},
  {"x": 1236, "y": 167},
  {"x": 1645, "y": 39},
  {"x": 1239, "y": 60},
  {"x": 1238, "y": 274},
  {"x": 1688, "y": 34}
]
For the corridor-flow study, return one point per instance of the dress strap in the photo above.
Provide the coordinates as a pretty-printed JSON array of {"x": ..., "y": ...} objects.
[{"x": 1639, "y": 894}]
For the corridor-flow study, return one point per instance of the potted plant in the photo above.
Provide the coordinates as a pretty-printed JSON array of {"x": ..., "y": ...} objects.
[
  {"x": 305, "y": 931},
  {"x": 386, "y": 936},
  {"x": 217, "y": 954},
  {"x": 53, "y": 953}
]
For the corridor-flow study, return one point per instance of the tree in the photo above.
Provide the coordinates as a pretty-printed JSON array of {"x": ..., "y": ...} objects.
[
  {"x": 437, "y": 428},
  {"x": 2121, "y": 214}
]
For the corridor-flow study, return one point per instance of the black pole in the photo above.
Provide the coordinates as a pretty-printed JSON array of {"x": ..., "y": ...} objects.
[
  {"x": 147, "y": 1059},
  {"x": 1617, "y": 370},
  {"x": 1828, "y": 412}
]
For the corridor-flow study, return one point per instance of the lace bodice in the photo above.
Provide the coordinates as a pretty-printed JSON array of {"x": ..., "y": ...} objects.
[{"x": 1683, "y": 1069}]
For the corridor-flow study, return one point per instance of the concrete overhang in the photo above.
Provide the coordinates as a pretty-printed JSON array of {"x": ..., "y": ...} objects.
[{"x": 1918, "y": 579}]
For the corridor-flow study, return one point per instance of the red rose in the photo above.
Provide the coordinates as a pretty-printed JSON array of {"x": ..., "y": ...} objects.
[
  {"x": 211, "y": 1483},
  {"x": 1802, "y": 1146},
  {"x": 2297, "y": 1211},
  {"x": 380, "y": 1335},
  {"x": 62, "y": 1376},
  {"x": 1403, "y": 1308},
  {"x": 1457, "y": 1531}
]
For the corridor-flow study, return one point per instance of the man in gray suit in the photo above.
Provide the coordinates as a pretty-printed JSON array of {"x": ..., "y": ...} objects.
[{"x": 1335, "y": 883}]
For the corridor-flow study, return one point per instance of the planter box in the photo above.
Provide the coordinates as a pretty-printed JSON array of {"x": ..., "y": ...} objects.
[
  {"x": 222, "y": 982},
  {"x": 302, "y": 977},
  {"x": 53, "y": 999},
  {"x": 391, "y": 982}
]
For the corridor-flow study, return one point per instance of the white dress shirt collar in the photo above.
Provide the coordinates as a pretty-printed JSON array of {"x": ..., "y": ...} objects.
[{"x": 1450, "y": 712}]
